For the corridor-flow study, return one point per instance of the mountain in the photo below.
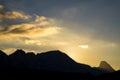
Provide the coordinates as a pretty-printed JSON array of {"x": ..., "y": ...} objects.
[
  {"x": 18, "y": 52},
  {"x": 51, "y": 64},
  {"x": 59, "y": 61},
  {"x": 17, "y": 59},
  {"x": 51, "y": 61},
  {"x": 30, "y": 60},
  {"x": 105, "y": 66},
  {"x": 2, "y": 55},
  {"x": 3, "y": 59}
]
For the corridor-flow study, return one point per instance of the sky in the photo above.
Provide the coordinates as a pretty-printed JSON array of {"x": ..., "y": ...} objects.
[{"x": 87, "y": 30}]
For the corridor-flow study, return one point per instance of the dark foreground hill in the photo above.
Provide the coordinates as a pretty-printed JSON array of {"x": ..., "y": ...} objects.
[{"x": 52, "y": 65}]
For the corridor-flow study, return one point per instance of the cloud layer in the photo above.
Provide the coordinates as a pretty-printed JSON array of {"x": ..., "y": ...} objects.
[
  {"x": 27, "y": 32},
  {"x": 5, "y": 15},
  {"x": 40, "y": 26}
]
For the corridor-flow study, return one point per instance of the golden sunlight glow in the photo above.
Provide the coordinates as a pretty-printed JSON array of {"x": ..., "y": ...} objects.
[{"x": 83, "y": 46}]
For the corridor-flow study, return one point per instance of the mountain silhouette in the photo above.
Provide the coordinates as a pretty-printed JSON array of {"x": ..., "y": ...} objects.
[
  {"x": 51, "y": 63},
  {"x": 3, "y": 60},
  {"x": 105, "y": 66},
  {"x": 17, "y": 59},
  {"x": 51, "y": 60},
  {"x": 2, "y": 55},
  {"x": 30, "y": 60},
  {"x": 59, "y": 61}
]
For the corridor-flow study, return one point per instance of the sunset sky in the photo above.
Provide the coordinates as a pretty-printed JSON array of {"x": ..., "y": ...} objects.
[{"x": 87, "y": 30}]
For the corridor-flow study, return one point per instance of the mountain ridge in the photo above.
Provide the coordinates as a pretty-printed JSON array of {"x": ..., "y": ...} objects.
[
  {"x": 52, "y": 64},
  {"x": 51, "y": 60}
]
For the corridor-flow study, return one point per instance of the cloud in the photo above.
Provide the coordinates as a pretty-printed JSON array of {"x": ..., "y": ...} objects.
[
  {"x": 33, "y": 42},
  {"x": 5, "y": 15},
  {"x": 36, "y": 27},
  {"x": 16, "y": 32},
  {"x": 1, "y": 7},
  {"x": 13, "y": 15},
  {"x": 40, "y": 18},
  {"x": 29, "y": 29}
]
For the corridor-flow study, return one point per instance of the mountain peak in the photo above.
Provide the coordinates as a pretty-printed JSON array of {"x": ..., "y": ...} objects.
[
  {"x": 56, "y": 60},
  {"x": 105, "y": 66},
  {"x": 54, "y": 53},
  {"x": 19, "y": 52}
]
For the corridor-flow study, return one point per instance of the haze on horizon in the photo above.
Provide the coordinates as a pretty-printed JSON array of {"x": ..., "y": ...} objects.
[{"x": 87, "y": 30}]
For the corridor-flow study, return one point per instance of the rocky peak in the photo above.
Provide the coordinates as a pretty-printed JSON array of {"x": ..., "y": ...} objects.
[{"x": 105, "y": 66}]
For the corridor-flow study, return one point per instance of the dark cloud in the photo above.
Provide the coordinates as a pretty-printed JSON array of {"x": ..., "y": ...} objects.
[
  {"x": 11, "y": 24},
  {"x": 8, "y": 18},
  {"x": 98, "y": 18}
]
